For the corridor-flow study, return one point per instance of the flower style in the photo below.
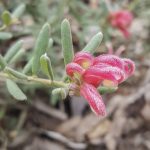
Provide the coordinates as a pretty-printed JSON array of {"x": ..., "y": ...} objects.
[
  {"x": 121, "y": 19},
  {"x": 88, "y": 72}
]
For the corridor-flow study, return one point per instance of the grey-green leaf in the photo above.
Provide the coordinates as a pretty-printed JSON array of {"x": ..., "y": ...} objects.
[
  {"x": 61, "y": 92},
  {"x": 14, "y": 90},
  {"x": 66, "y": 40},
  {"x": 103, "y": 89},
  {"x": 19, "y": 11},
  {"x": 46, "y": 66},
  {"x": 18, "y": 56},
  {"x": 94, "y": 43},
  {"x": 15, "y": 73},
  {"x": 13, "y": 50},
  {"x": 2, "y": 62},
  {"x": 5, "y": 35},
  {"x": 28, "y": 66},
  {"x": 40, "y": 47},
  {"x": 6, "y": 17},
  {"x": 50, "y": 45}
]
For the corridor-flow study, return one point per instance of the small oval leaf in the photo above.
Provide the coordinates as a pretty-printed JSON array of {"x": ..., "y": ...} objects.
[
  {"x": 49, "y": 48},
  {"x": 13, "y": 50},
  {"x": 19, "y": 11},
  {"x": 46, "y": 66},
  {"x": 50, "y": 43},
  {"x": 104, "y": 89},
  {"x": 40, "y": 47},
  {"x": 94, "y": 43},
  {"x": 2, "y": 62},
  {"x": 28, "y": 66},
  {"x": 18, "y": 56},
  {"x": 60, "y": 92},
  {"x": 6, "y": 17},
  {"x": 5, "y": 35},
  {"x": 15, "y": 73},
  {"x": 66, "y": 39},
  {"x": 14, "y": 90}
]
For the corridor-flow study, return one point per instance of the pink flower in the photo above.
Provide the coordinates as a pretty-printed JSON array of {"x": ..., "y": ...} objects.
[
  {"x": 87, "y": 73},
  {"x": 121, "y": 19}
]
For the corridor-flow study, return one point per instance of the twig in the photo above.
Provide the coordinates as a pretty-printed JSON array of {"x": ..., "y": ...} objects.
[
  {"x": 3, "y": 139},
  {"x": 50, "y": 111},
  {"x": 59, "y": 137},
  {"x": 22, "y": 118}
]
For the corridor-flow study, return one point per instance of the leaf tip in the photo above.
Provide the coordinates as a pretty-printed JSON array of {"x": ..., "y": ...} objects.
[
  {"x": 100, "y": 35},
  {"x": 65, "y": 22},
  {"x": 46, "y": 25}
]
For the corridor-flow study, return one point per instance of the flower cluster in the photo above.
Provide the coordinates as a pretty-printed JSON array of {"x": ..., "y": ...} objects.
[
  {"x": 122, "y": 20},
  {"x": 88, "y": 72}
]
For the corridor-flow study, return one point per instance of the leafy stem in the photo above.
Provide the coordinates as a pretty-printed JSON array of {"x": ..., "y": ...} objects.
[{"x": 34, "y": 79}]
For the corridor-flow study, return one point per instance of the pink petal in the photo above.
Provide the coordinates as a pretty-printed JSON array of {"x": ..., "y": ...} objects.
[
  {"x": 90, "y": 93},
  {"x": 72, "y": 68},
  {"x": 112, "y": 60},
  {"x": 82, "y": 57},
  {"x": 129, "y": 67},
  {"x": 95, "y": 75}
]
